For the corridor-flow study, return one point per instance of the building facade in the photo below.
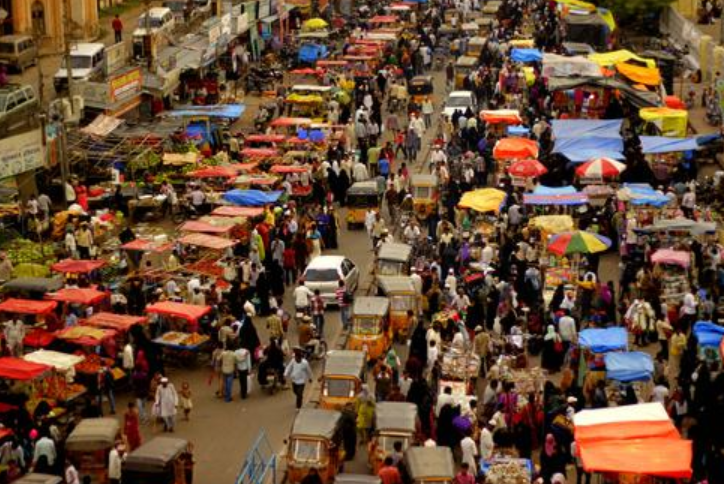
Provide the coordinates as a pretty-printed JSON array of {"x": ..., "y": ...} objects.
[{"x": 45, "y": 18}]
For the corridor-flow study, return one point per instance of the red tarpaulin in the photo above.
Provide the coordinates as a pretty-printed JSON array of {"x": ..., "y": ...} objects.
[
  {"x": 259, "y": 152},
  {"x": 239, "y": 167},
  {"x": 77, "y": 266},
  {"x": 213, "y": 172},
  {"x": 6, "y": 407},
  {"x": 265, "y": 138},
  {"x": 515, "y": 149},
  {"x": 84, "y": 296},
  {"x": 207, "y": 241},
  {"x": 38, "y": 338},
  {"x": 198, "y": 226},
  {"x": 18, "y": 369},
  {"x": 118, "y": 322},
  {"x": 27, "y": 306},
  {"x": 501, "y": 116},
  {"x": 146, "y": 245},
  {"x": 263, "y": 181},
  {"x": 288, "y": 169},
  {"x": 285, "y": 122},
  {"x": 384, "y": 19},
  {"x": 307, "y": 71},
  {"x": 229, "y": 211},
  {"x": 189, "y": 312},
  {"x": 85, "y": 339},
  {"x": 331, "y": 63}
]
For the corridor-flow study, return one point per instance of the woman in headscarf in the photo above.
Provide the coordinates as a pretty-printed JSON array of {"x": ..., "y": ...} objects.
[
  {"x": 344, "y": 184},
  {"x": 418, "y": 344},
  {"x": 551, "y": 357},
  {"x": 552, "y": 460}
]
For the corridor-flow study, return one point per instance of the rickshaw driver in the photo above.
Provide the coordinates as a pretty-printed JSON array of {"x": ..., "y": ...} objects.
[{"x": 307, "y": 339}]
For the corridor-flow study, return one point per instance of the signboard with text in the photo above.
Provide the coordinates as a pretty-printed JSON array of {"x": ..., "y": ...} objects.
[
  {"x": 125, "y": 86},
  {"x": 21, "y": 153}
]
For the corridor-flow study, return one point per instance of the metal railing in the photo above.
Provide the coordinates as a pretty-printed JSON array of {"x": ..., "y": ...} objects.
[{"x": 260, "y": 463}]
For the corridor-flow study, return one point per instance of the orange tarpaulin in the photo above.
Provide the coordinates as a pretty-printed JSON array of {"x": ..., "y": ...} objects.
[
  {"x": 77, "y": 266},
  {"x": 515, "y": 149},
  {"x": 86, "y": 296},
  {"x": 229, "y": 211},
  {"x": 624, "y": 431},
  {"x": 146, "y": 245},
  {"x": 657, "y": 457},
  {"x": 118, "y": 322},
  {"x": 649, "y": 76},
  {"x": 189, "y": 312},
  {"x": 13, "y": 368},
  {"x": 27, "y": 306},
  {"x": 498, "y": 116}
]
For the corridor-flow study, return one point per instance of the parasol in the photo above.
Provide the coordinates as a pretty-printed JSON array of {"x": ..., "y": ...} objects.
[
  {"x": 600, "y": 168},
  {"x": 527, "y": 168},
  {"x": 314, "y": 24},
  {"x": 578, "y": 242},
  {"x": 483, "y": 200}
]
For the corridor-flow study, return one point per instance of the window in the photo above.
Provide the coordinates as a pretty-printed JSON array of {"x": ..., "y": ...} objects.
[
  {"x": 387, "y": 443},
  {"x": 12, "y": 102},
  {"x": 338, "y": 387},
  {"x": 401, "y": 303},
  {"x": 366, "y": 326},
  {"x": 37, "y": 13},
  {"x": 388, "y": 268},
  {"x": 422, "y": 192},
  {"x": 321, "y": 275},
  {"x": 80, "y": 61},
  {"x": 7, "y": 48},
  {"x": 307, "y": 451}
]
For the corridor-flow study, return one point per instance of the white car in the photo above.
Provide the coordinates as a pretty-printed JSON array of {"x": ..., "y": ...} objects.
[
  {"x": 459, "y": 100},
  {"x": 157, "y": 19},
  {"x": 324, "y": 273},
  {"x": 86, "y": 62}
]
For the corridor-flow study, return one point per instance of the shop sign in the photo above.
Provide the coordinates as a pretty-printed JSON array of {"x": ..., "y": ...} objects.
[
  {"x": 226, "y": 24},
  {"x": 242, "y": 23},
  {"x": 214, "y": 33},
  {"x": 126, "y": 85},
  {"x": 21, "y": 153},
  {"x": 264, "y": 8},
  {"x": 116, "y": 57}
]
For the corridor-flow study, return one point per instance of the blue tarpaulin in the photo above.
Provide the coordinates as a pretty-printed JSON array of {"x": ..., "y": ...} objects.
[
  {"x": 518, "y": 131},
  {"x": 312, "y": 52},
  {"x": 576, "y": 128},
  {"x": 708, "y": 333},
  {"x": 585, "y": 148},
  {"x": 216, "y": 111},
  {"x": 251, "y": 198},
  {"x": 631, "y": 366},
  {"x": 601, "y": 340},
  {"x": 526, "y": 55},
  {"x": 662, "y": 144},
  {"x": 644, "y": 194},
  {"x": 543, "y": 195}
]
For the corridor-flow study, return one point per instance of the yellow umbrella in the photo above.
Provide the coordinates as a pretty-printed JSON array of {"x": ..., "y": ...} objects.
[
  {"x": 483, "y": 200},
  {"x": 553, "y": 224},
  {"x": 314, "y": 24}
]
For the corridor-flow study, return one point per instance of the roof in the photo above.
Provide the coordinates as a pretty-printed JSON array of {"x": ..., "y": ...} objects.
[
  {"x": 27, "y": 306},
  {"x": 85, "y": 296},
  {"x": 326, "y": 262},
  {"x": 59, "y": 361},
  {"x": 345, "y": 363},
  {"x": 316, "y": 422},
  {"x": 400, "y": 416},
  {"x": 119, "y": 322},
  {"x": 363, "y": 188},
  {"x": 12, "y": 368},
  {"x": 155, "y": 455},
  {"x": 189, "y": 312},
  {"x": 395, "y": 251},
  {"x": 93, "y": 434},
  {"x": 34, "y": 478},
  {"x": 77, "y": 266},
  {"x": 466, "y": 61},
  {"x": 34, "y": 284},
  {"x": 370, "y": 306},
  {"x": 429, "y": 462},
  {"x": 86, "y": 48},
  {"x": 390, "y": 284}
]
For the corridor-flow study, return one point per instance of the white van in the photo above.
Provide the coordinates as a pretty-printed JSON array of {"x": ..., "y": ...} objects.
[
  {"x": 156, "y": 20},
  {"x": 86, "y": 62}
]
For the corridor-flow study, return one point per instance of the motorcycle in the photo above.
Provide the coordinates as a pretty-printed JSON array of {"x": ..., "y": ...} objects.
[
  {"x": 183, "y": 211},
  {"x": 316, "y": 351}
]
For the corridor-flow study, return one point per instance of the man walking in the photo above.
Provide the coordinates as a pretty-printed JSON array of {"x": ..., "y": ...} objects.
[
  {"x": 299, "y": 372},
  {"x": 243, "y": 366},
  {"x": 228, "y": 367},
  {"x": 318, "y": 313},
  {"x": 117, "y": 26},
  {"x": 344, "y": 298}
]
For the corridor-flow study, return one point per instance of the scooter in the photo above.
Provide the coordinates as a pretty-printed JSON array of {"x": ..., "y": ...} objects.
[{"x": 315, "y": 352}]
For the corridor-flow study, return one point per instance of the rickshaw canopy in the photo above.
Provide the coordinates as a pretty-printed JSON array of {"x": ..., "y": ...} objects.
[
  {"x": 156, "y": 455},
  {"x": 93, "y": 434},
  {"x": 78, "y": 266},
  {"x": 483, "y": 200},
  {"x": 346, "y": 363},
  {"x": 400, "y": 416},
  {"x": 430, "y": 463},
  {"x": 12, "y": 368},
  {"x": 85, "y": 296},
  {"x": 316, "y": 422},
  {"x": 33, "y": 284},
  {"x": 371, "y": 306},
  {"x": 189, "y": 312},
  {"x": 395, "y": 252},
  {"x": 363, "y": 188},
  {"x": 394, "y": 284},
  {"x": 423, "y": 180},
  {"x": 27, "y": 306}
]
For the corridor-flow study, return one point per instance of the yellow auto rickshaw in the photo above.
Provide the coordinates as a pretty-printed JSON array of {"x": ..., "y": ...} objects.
[
  {"x": 360, "y": 197},
  {"x": 429, "y": 465},
  {"x": 393, "y": 259},
  {"x": 370, "y": 326},
  {"x": 420, "y": 88},
  {"x": 315, "y": 442},
  {"x": 463, "y": 67},
  {"x": 424, "y": 195},
  {"x": 394, "y": 422},
  {"x": 344, "y": 372},
  {"x": 401, "y": 292},
  {"x": 475, "y": 46}
]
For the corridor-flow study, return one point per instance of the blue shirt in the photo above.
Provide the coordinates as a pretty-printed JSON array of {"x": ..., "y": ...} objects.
[{"x": 384, "y": 166}]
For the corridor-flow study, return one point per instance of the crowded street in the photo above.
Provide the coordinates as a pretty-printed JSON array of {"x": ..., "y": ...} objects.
[{"x": 461, "y": 242}]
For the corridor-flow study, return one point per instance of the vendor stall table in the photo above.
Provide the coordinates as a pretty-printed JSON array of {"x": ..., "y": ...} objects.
[{"x": 182, "y": 348}]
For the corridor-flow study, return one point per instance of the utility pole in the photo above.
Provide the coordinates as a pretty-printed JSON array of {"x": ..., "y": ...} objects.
[{"x": 66, "y": 50}]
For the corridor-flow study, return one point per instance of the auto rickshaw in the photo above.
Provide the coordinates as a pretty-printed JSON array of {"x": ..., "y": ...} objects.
[
  {"x": 360, "y": 197},
  {"x": 315, "y": 441},
  {"x": 89, "y": 444},
  {"x": 475, "y": 46},
  {"x": 394, "y": 422},
  {"x": 357, "y": 479},
  {"x": 393, "y": 259},
  {"x": 463, "y": 67},
  {"x": 344, "y": 372},
  {"x": 424, "y": 194},
  {"x": 429, "y": 465},
  {"x": 370, "y": 326},
  {"x": 156, "y": 461},
  {"x": 420, "y": 87},
  {"x": 401, "y": 292}
]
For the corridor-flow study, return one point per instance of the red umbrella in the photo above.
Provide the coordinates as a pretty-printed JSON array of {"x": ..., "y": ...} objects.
[
  {"x": 600, "y": 168},
  {"x": 527, "y": 168}
]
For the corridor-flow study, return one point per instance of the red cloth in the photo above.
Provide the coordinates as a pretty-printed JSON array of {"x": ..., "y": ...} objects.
[
  {"x": 132, "y": 430},
  {"x": 390, "y": 475}
]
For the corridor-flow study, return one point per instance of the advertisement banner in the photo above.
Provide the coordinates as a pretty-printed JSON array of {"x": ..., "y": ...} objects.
[
  {"x": 21, "y": 153},
  {"x": 116, "y": 56},
  {"x": 126, "y": 85},
  {"x": 242, "y": 23}
]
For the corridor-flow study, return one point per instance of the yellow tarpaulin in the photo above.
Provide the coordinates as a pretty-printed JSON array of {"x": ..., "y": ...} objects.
[
  {"x": 649, "y": 76},
  {"x": 618, "y": 56},
  {"x": 578, "y": 5},
  {"x": 607, "y": 17},
  {"x": 671, "y": 122},
  {"x": 483, "y": 200},
  {"x": 553, "y": 224}
]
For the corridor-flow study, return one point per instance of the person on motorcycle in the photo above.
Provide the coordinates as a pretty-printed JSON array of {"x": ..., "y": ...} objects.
[
  {"x": 274, "y": 325},
  {"x": 272, "y": 363},
  {"x": 308, "y": 340},
  {"x": 302, "y": 298}
]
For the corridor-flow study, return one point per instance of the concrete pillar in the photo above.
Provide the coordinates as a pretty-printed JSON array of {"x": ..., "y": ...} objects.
[{"x": 704, "y": 60}]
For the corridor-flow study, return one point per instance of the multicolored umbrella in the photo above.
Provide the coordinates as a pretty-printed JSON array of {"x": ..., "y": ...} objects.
[
  {"x": 578, "y": 242},
  {"x": 600, "y": 168},
  {"x": 527, "y": 168}
]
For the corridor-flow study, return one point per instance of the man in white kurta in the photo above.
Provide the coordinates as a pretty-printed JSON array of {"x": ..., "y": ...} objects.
[{"x": 166, "y": 403}]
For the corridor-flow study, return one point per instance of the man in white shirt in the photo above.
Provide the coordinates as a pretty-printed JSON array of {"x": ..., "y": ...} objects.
[
  {"x": 660, "y": 393},
  {"x": 302, "y": 297},
  {"x": 445, "y": 398},
  {"x": 486, "y": 442},
  {"x": 469, "y": 453},
  {"x": 432, "y": 355},
  {"x": 299, "y": 372},
  {"x": 567, "y": 328},
  {"x": 128, "y": 359},
  {"x": 45, "y": 447},
  {"x": 359, "y": 172},
  {"x": 115, "y": 462}
]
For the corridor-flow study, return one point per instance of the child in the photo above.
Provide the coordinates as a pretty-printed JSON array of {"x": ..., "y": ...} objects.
[{"x": 186, "y": 402}]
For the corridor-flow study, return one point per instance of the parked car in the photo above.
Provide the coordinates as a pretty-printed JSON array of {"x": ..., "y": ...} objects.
[
  {"x": 18, "y": 108},
  {"x": 183, "y": 10},
  {"x": 18, "y": 51},
  {"x": 324, "y": 273},
  {"x": 459, "y": 100},
  {"x": 86, "y": 62},
  {"x": 155, "y": 21}
]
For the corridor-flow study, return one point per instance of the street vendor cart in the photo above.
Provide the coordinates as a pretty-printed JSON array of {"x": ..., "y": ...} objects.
[
  {"x": 342, "y": 378},
  {"x": 181, "y": 340},
  {"x": 39, "y": 318},
  {"x": 370, "y": 326},
  {"x": 394, "y": 422},
  {"x": 315, "y": 441},
  {"x": 89, "y": 445},
  {"x": 158, "y": 462}
]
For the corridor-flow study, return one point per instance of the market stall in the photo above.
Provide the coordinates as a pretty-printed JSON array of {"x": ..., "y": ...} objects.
[
  {"x": 36, "y": 381},
  {"x": 61, "y": 386},
  {"x": 672, "y": 269}
]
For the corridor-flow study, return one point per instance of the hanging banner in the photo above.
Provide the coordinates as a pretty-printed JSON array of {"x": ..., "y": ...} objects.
[{"x": 21, "y": 153}]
